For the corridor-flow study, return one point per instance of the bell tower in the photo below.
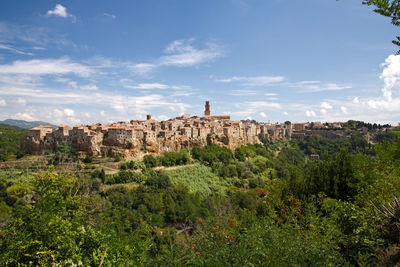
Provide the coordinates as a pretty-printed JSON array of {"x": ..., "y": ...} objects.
[{"x": 207, "y": 111}]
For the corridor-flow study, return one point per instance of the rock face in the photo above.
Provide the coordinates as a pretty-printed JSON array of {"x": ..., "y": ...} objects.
[{"x": 135, "y": 138}]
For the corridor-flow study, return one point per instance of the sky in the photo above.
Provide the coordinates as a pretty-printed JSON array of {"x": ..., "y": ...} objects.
[{"x": 80, "y": 62}]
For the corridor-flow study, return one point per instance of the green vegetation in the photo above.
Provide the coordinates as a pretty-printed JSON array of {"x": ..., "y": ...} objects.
[
  {"x": 199, "y": 179},
  {"x": 10, "y": 141},
  {"x": 168, "y": 159},
  {"x": 259, "y": 205}
]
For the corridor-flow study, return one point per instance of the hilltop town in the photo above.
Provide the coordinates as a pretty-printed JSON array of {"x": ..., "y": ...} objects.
[{"x": 138, "y": 137}]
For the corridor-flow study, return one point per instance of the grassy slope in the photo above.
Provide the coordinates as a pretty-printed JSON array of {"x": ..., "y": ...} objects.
[{"x": 199, "y": 179}]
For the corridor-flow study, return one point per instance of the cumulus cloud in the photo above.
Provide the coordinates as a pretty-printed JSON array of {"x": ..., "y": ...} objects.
[
  {"x": 69, "y": 112},
  {"x": 23, "y": 116},
  {"x": 326, "y": 105},
  {"x": 262, "y": 114},
  {"x": 344, "y": 109},
  {"x": 356, "y": 100},
  {"x": 390, "y": 76},
  {"x": 310, "y": 113},
  {"x": 60, "y": 11},
  {"x": 2, "y": 102},
  {"x": 323, "y": 111}
]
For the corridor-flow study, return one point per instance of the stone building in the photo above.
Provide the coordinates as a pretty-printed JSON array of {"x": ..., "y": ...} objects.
[{"x": 137, "y": 137}]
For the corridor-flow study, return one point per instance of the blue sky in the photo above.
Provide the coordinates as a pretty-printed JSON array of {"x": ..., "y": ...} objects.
[{"x": 79, "y": 62}]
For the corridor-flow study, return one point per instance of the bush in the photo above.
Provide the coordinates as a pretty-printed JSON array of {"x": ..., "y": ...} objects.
[
  {"x": 124, "y": 176},
  {"x": 88, "y": 159}
]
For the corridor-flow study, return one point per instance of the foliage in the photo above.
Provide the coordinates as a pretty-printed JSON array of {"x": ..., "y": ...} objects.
[
  {"x": 88, "y": 159},
  {"x": 123, "y": 176},
  {"x": 168, "y": 159},
  {"x": 10, "y": 140},
  {"x": 198, "y": 179},
  {"x": 260, "y": 205},
  {"x": 212, "y": 153}
]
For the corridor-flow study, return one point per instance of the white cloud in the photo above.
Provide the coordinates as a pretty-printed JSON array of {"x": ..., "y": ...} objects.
[
  {"x": 285, "y": 113},
  {"x": 14, "y": 50},
  {"x": 253, "y": 81},
  {"x": 326, "y": 105},
  {"x": 271, "y": 94},
  {"x": 143, "y": 68},
  {"x": 323, "y": 111},
  {"x": 127, "y": 83},
  {"x": 344, "y": 110},
  {"x": 180, "y": 53},
  {"x": 149, "y": 86},
  {"x": 90, "y": 87},
  {"x": 161, "y": 118},
  {"x": 390, "y": 75},
  {"x": 2, "y": 102},
  {"x": 46, "y": 67},
  {"x": 244, "y": 109},
  {"x": 73, "y": 84},
  {"x": 60, "y": 11},
  {"x": 356, "y": 100},
  {"x": 21, "y": 101},
  {"x": 23, "y": 116},
  {"x": 38, "y": 36},
  {"x": 110, "y": 15},
  {"x": 182, "y": 93},
  {"x": 318, "y": 86},
  {"x": 243, "y": 92},
  {"x": 262, "y": 114},
  {"x": 69, "y": 112},
  {"x": 310, "y": 113}
]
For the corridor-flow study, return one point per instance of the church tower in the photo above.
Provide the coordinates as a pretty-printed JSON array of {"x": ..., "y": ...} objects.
[{"x": 207, "y": 111}]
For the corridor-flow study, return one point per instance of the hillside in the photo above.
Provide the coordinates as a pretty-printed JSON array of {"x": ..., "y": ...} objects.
[
  {"x": 26, "y": 124},
  {"x": 10, "y": 140}
]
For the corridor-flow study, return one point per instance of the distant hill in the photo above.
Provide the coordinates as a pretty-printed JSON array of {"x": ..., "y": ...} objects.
[{"x": 26, "y": 124}]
